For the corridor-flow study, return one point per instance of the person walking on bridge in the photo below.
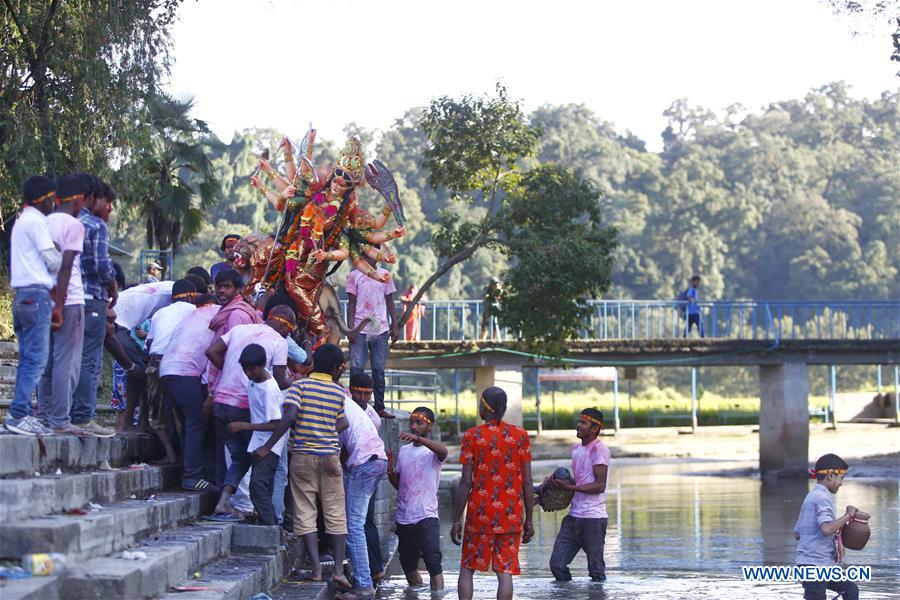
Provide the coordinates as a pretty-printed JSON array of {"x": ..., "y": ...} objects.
[{"x": 692, "y": 296}]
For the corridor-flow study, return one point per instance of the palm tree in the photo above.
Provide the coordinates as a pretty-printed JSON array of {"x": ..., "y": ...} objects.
[{"x": 174, "y": 182}]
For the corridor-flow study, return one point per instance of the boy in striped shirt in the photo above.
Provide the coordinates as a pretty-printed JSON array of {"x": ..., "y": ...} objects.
[{"x": 314, "y": 412}]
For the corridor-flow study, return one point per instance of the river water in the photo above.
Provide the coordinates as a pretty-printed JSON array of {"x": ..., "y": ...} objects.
[{"x": 684, "y": 529}]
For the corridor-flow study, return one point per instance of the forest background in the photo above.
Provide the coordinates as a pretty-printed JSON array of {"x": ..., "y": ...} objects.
[{"x": 799, "y": 199}]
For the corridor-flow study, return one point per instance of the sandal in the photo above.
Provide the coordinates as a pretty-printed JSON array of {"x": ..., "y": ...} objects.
[
  {"x": 225, "y": 518},
  {"x": 341, "y": 583},
  {"x": 305, "y": 575}
]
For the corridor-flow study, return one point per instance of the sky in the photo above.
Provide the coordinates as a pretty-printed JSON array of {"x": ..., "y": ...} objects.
[{"x": 286, "y": 63}]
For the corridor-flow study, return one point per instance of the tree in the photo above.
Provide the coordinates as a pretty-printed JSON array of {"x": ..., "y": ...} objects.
[
  {"x": 71, "y": 74},
  {"x": 560, "y": 256},
  {"x": 475, "y": 147},
  {"x": 172, "y": 181},
  {"x": 545, "y": 219}
]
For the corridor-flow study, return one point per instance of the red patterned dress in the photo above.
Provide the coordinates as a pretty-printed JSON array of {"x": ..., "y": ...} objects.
[{"x": 498, "y": 453}]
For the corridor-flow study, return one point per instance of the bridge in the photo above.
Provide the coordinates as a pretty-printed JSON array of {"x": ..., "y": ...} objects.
[{"x": 780, "y": 338}]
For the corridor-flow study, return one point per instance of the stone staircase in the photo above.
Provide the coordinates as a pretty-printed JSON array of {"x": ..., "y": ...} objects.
[{"x": 94, "y": 499}]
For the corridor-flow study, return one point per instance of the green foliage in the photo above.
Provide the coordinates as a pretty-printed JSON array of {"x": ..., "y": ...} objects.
[
  {"x": 172, "y": 182},
  {"x": 72, "y": 72},
  {"x": 475, "y": 142},
  {"x": 561, "y": 256}
]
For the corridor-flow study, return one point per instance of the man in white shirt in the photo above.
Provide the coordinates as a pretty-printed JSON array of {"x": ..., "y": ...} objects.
[
  {"x": 134, "y": 306},
  {"x": 64, "y": 361},
  {"x": 183, "y": 376},
  {"x": 364, "y": 466},
  {"x": 163, "y": 324},
  {"x": 34, "y": 263}
]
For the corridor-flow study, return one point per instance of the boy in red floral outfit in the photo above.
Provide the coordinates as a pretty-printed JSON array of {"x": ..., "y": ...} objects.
[{"x": 496, "y": 458}]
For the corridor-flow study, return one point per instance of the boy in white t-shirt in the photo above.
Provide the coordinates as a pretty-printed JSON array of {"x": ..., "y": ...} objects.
[
  {"x": 64, "y": 362},
  {"x": 416, "y": 477},
  {"x": 265, "y": 412},
  {"x": 584, "y": 528}
]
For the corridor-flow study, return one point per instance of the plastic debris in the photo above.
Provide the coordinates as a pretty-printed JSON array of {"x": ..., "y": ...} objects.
[
  {"x": 196, "y": 574},
  {"x": 10, "y": 572},
  {"x": 138, "y": 466},
  {"x": 76, "y": 512},
  {"x": 134, "y": 555},
  {"x": 195, "y": 588},
  {"x": 152, "y": 498},
  {"x": 132, "y": 497},
  {"x": 261, "y": 596},
  {"x": 94, "y": 507},
  {"x": 104, "y": 466},
  {"x": 58, "y": 472}
]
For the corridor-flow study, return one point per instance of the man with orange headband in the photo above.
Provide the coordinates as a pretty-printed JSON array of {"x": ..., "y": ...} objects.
[
  {"x": 162, "y": 327},
  {"x": 494, "y": 487},
  {"x": 818, "y": 528},
  {"x": 232, "y": 403},
  {"x": 34, "y": 262},
  {"x": 64, "y": 361},
  {"x": 417, "y": 477},
  {"x": 584, "y": 528}
]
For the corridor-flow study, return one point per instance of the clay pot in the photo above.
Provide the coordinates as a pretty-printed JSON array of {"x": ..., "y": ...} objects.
[{"x": 855, "y": 534}]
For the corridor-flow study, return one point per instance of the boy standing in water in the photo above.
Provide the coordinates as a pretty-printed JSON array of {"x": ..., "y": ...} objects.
[
  {"x": 416, "y": 477},
  {"x": 584, "y": 528},
  {"x": 818, "y": 530},
  {"x": 495, "y": 484}
]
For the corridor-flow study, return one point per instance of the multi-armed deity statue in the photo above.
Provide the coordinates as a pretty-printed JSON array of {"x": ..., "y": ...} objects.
[{"x": 321, "y": 225}]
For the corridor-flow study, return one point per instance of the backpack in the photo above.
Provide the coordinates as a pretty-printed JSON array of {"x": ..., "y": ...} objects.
[{"x": 682, "y": 296}]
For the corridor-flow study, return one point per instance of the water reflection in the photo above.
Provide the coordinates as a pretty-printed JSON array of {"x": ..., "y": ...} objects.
[{"x": 681, "y": 529}]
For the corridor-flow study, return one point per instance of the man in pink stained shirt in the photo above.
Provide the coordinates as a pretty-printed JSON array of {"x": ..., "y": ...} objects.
[
  {"x": 584, "y": 528},
  {"x": 235, "y": 311},
  {"x": 416, "y": 477},
  {"x": 371, "y": 296},
  {"x": 231, "y": 403},
  {"x": 183, "y": 376}
]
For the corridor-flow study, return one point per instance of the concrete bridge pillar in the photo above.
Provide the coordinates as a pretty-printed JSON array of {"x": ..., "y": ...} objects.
[
  {"x": 508, "y": 377},
  {"x": 783, "y": 420}
]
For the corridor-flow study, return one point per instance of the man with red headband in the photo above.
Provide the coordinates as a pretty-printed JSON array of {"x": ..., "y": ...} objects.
[
  {"x": 417, "y": 476},
  {"x": 64, "y": 361},
  {"x": 34, "y": 263},
  {"x": 584, "y": 528},
  {"x": 494, "y": 487}
]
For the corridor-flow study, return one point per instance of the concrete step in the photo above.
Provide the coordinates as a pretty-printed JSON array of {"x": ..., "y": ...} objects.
[
  {"x": 9, "y": 349},
  {"x": 172, "y": 557},
  {"x": 24, "y": 455},
  {"x": 53, "y": 494},
  {"x": 236, "y": 577},
  {"x": 33, "y": 588},
  {"x": 111, "y": 529}
]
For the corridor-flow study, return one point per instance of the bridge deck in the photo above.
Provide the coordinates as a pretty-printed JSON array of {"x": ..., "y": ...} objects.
[{"x": 442, "y": 354}]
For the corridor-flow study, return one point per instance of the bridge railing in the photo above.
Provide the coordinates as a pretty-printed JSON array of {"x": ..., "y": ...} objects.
[{"x": 668, "y": 319}]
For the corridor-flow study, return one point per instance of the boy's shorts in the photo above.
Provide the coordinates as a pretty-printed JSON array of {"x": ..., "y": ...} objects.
[
  {"x": 501, "y": 549},
  {"x": 420, "y": 540},
  {"x": 321, "y": 477}
]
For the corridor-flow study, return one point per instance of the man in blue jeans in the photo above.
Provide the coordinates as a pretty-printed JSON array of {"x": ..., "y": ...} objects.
[
  {"x": 693, "y": 307},
  {"x": 99, "y": 279},
  {"x": 33, "y": 265},
  {"x": 365, "y": 463},
  {"x": 371, "y": 296}
]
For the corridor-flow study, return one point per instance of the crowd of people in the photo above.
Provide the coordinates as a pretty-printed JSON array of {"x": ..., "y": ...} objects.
[{"x": 263, "y": 421}]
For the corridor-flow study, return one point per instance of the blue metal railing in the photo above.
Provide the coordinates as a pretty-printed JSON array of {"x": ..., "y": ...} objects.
[{"x": 669, "y": 319}]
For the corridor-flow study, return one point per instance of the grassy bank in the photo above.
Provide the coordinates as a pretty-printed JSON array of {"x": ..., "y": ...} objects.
[{"x": 653, "y": 407}]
